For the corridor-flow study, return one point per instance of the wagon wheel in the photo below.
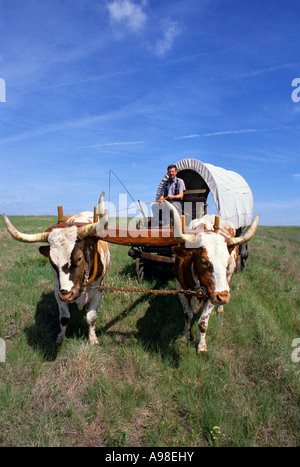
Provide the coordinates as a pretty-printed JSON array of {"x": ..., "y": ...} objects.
[{"x": 140, "y": 269}]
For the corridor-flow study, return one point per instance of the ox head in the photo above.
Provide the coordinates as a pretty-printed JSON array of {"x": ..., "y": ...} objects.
[
  {"x": 208, "y": 258},
  {"x": 69, "y": 251}
]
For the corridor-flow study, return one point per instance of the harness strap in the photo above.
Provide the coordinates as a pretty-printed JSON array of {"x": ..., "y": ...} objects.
[
  {"x": 176, "y": 191},
  {"x": 95, "y": 268}
]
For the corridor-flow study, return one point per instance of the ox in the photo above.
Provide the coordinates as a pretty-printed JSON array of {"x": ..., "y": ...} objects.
[
  {"x": 71, "y": 254},
  {"x": 206, "y": 258}
]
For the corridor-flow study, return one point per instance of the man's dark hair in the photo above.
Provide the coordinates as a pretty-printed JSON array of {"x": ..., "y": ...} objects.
[{"x": 171, "y": 167}]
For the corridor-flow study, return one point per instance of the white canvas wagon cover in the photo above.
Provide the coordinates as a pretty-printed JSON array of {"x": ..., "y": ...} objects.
[{"x": 231, "y": 193}]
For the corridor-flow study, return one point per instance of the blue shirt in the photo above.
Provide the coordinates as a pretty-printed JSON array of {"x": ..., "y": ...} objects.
[{"x": 169, "y": 187}]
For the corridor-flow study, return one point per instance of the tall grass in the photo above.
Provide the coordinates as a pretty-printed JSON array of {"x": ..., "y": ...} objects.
[{"x": 145, "y": 385}]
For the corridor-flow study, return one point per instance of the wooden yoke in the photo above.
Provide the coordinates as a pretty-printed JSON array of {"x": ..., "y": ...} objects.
[
  {"x": 122, "y": 235},
  {"x": 95, "y": 250},
  {"x": 60, "y": 214},
  {"x": 95, "y": 214},
  {"x": 217, "y": 224}
]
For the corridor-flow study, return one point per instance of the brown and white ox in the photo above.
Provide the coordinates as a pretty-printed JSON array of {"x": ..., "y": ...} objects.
[
  {"x": 206, "y": 259},
  {"x": 71, "y": 254}
]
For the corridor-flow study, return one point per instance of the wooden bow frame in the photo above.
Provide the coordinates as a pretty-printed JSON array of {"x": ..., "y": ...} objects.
[{"x": 95, "y": 268}]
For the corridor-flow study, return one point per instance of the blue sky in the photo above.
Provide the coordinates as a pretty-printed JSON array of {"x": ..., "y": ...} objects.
[{"x": 133, "y": 85}]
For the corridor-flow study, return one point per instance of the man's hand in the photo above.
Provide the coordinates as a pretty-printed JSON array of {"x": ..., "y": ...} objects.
[{"x": 162, "y": 199}]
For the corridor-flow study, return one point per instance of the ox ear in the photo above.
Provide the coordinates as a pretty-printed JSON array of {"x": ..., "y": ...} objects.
[{"x": 44, "y": 250}]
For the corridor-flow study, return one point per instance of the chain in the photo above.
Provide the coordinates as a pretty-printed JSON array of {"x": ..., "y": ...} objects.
[{"x": 201, "y": 292}]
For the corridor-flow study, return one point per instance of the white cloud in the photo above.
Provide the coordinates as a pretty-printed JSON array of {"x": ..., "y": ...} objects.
[
  {"x": 115, "y": 143},
  {"x": 127, "y": 13},
  {"x": 220, "y": 133},
  {"x": 171, "y": 30},
  {"x": 131, "y": 16},
  {"x": 236, "y": 132},
  {"x": 266, "y": 70}
]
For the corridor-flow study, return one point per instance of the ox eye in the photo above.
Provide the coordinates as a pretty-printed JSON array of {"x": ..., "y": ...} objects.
[
  {"x": 77, "y": 261},
  {"x": 203, "y": 261}
]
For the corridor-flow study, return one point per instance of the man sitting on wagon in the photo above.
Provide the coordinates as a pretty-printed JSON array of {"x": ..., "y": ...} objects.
[{"x": 172, "y": 190}]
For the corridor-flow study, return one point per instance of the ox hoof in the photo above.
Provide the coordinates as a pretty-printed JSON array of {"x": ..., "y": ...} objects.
[
  {"x": 187, "y": 334},
  {"x": 94, "y": 341},
  {"x": 60, "y": 338},
  {"x": 201, "y": 349}
]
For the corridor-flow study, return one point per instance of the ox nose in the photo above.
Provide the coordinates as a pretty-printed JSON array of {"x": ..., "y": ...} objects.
[
  {"x": 221, "y": 298},
  {"x": 66, "y": 295}
]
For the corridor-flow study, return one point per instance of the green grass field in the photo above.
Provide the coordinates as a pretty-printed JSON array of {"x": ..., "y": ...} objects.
[{"x": 144, "y": 385}]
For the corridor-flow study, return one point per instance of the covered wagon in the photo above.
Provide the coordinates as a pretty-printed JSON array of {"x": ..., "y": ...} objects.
[{"x": 233, "y": 201}]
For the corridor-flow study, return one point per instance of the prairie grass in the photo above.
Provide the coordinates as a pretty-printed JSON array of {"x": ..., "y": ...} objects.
[{"x": 144, "y": 385}]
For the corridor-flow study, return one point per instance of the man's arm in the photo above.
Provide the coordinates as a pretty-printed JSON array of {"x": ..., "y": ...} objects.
[
  {"x": 179, "y": 196},
  {"x": 162, "y": 191}
]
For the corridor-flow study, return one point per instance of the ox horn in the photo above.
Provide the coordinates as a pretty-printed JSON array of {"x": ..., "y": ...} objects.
[
  {"x": 95, "y": 227},
  {"x": 178, "y": 234},
  {"x": 247, "y": 235},
  {"x": 22, "y": 237}
]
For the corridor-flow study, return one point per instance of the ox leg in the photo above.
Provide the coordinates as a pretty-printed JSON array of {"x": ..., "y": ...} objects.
[
  {"x": 64, "y": 314},
  {"x": 91, "y": 317},
  {"x": 203, "y": 325},
  {"x": 190, "y": 307},
  {"x": 64, "y": 317},
  {"x": 188, "y": 315}
]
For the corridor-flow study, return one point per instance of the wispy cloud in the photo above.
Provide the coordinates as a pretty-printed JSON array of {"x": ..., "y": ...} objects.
[
  {"x": 171, "y": 29},
  {"x": 113, "y": 143},
  {"x": 97, "y": 145},
  {"x": 261, "y": 71},
  {"x": 237, "y": 132},
  {"x": 43, "y": 130},
  {"x": 91, "y": 79},
  {"x": 127, "y": 13},
  {"x": 221, "y": 133},
  {"x": 57, "y": 127},
  {"x": 132, "y": 17},
  {"x": 77, "y": 123}
]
